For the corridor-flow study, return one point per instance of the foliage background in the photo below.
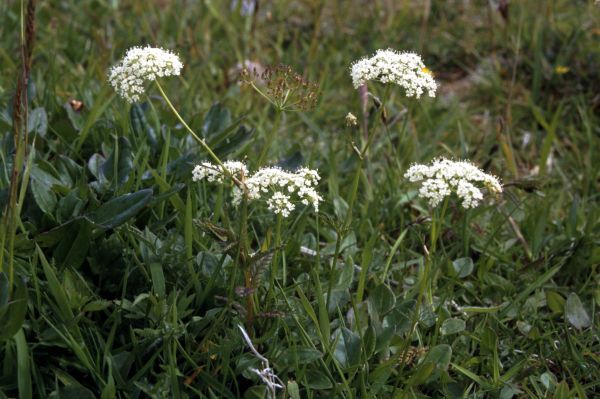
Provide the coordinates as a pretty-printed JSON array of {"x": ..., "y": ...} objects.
[{"x": 118, "y": 293}]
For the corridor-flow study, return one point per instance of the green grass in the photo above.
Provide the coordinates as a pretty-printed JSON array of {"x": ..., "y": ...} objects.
[{"x": 121, "y": 278}]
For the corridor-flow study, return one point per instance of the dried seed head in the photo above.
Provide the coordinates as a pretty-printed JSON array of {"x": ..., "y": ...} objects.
[{"x": 284, "y": 87}]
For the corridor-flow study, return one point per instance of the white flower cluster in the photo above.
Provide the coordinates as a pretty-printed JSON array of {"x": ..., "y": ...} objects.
[
  {"x": 214, "y": 173},
  {"x": 141, "y": 65},
  {"x": 389, "y": 66},
  {"x": 443, "y": 177},
  {"x": 280, "y": 204},
  {"x": 279, "y": 188}
]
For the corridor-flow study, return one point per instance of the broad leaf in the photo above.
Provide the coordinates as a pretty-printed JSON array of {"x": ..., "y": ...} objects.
[
  {"x": 452, "y": 326},
  {"x": 382, "y": 299},
  {"x": 216, "y": 120},
  {"x": 14, "y": 311},
  {"x": 463, "y": 267},
  {"x": 575, "y": 313},
  {"x": 140, "y": 125},
  {"x": 118, "y": 210},
  {"x": 347, "y": 347},
  {"x": 118, "y": 166}
]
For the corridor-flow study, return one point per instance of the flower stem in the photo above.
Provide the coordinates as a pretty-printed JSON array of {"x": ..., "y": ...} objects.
[
  {"x": 244, "y": 262},
  {"x": 275, "y": 262},
  {"x": 270, "y": 137},
  {"x": 342, "y": 233},
  {"x": 465, "y": 234},
  {"x": 354, "y": 190},
  {"x": 200, "y": 141}
]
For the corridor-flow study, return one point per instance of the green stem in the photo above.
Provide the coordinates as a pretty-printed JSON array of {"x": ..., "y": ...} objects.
[
  {"x": 270, "y": 137},
  {"x": 275, "y": 262},
  {"x": 264, "y": 95},
  {"x": 243, "y": 261},
  {"x": 415, "y": 319},
  {"x": 341, "y": 234},
  {"x": 353, "y": 192},
  {"x": 465, "y": 233},
  {"x": 200, "y": 141}
]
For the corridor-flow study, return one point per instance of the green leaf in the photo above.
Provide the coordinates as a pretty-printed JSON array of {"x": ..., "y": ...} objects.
[
  {"x": 435, "y": 362},
  {"x": 80, "y": 245},
  {"x": 555, "y": 301},
  {"x": 315, "y": 379},
  {"x": 56, "y": 289},
  {"x": 298, "y": 356},
  {"x": 575, "y": 313},
  {"x": 75, "y": 117},
  {"x": 158, "y": 279},
  {"x": 74, "y": 392},
  {"x": 452, "y": 326},
  {"x": 13, "y": 314},
  {"x": 347, "y": 347},
  {"x": 463, "y": 267},
  {"x": 3, "y": 290},
  {"x": 382, "y": 299},
  {"x": 119, "y": 164},
  {"x": 421, "y": 374},
  {"x": 95, "y": 164},
  {"x": 562, "y": 391},
  {"x": 96, "y": 305},
  {"x": 439, "y": 355},
  {"x": 140, "y": 125},
  {"x": 118, "y": 210},
  {"x": 217, "y": 119},
  {"x": 369, "y": 340},
  {"x": 471, "y": 375},
  {"x": 23, "y": 366},
  {"x": 232, "y": 141},
  {"x": 480, "y": 309},
  {"x": 42, "y": 184},
  {"x": 293, "y": 389},
  {"x": 110, "y": 390},
  {"x": 396, "y": 322},
  {"x": 38, "y": 122}
]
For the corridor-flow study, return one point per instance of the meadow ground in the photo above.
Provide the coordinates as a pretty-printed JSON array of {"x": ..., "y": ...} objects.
[{"x": 122, "y": 277}]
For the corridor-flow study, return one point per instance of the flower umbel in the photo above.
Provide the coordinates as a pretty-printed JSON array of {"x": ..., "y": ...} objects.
[
  {"x": 389, "y": 66},
  {"x": 214, "y": 173},
  {"x": 443, "y": 177},
  {"x": 139, "y": 66},
  {"x": 279, "y": 188}
]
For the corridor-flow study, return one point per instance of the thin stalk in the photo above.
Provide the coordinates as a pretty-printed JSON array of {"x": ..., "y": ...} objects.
[
  {"x": 341, "y": 235},
  {"x": 425, "y": 282},
  {"x": 200, "y": 141},
  {"x": 465, "y": 233},
  {"x": 244, "y": 262},
  {"x": 275, "y": 262},
  {"x": 11, "y": 214},
  {"x": 436, "y": 229},
  {"x": 270, "y": 137},
  {"x": 415, "y": 319},
  {"x": 259, "y": 91}
]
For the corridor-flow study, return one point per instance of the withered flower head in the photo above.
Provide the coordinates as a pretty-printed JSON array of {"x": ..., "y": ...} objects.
[{"x": 283, "y": 87}]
